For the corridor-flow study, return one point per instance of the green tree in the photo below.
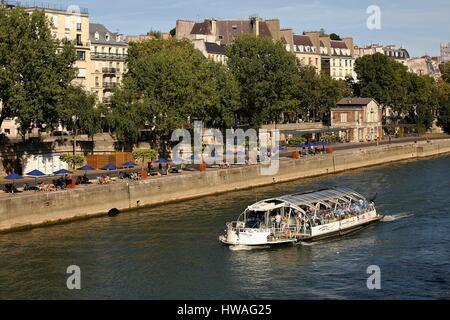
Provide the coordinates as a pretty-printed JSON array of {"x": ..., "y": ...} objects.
[
  {"x": 221, "y": 114},
  {"x": 422, "y": 102},
  {"x": 383, "y": 79},
  {"x": 78, "y": 113},
  {"x": 126, "y": 117},
  {"x": 72, "y": 160},
  {"x": 35, "y": 69},
  {"x": 143, "y": 154},
  {"x": 446, "y": 72},
  {"x": 267, "y": 75},
  {"x": 443, "y": 89},
  {"x": 168, "y": 85},
  {"x": 334, "y": 36},
  {"x": 318, "y": 93}
]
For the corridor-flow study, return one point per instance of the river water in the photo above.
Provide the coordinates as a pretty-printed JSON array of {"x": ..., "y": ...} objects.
[{"x": 172, "y": 251}]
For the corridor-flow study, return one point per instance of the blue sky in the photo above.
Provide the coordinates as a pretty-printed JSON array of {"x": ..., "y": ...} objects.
[{"x": 419, "y": 25}]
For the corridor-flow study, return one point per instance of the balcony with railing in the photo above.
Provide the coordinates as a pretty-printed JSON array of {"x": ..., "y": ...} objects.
[
  {"x": 111, "y": 71},
  {"x": 47, "y": 6},
  {"x": 108, "y": 56}
]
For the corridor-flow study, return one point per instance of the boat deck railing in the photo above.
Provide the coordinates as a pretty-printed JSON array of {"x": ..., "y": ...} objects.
[{"x": 289, "y": 231}]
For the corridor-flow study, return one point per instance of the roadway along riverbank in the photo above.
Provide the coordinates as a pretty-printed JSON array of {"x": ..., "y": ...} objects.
[{"x": 28, "y": 210}]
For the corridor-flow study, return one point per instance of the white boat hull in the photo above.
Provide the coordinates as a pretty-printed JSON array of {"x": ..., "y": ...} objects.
[{"x": 255, "y": 237}]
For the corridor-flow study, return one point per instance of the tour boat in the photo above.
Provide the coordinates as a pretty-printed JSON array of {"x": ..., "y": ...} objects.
[{"x": 302, "y": 217}]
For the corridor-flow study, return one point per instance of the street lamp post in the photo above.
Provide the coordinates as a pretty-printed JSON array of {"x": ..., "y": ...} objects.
[{"x": 74, "y": 119}]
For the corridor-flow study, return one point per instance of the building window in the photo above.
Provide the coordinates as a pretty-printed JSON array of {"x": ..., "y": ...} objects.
[
  {"x": 79, "y": 42},
  {"x": 8, "y": 131},
  {"x": 97, "y": 36},
  {"x": 343, "y": 117},
  {"x": 67, "y": 23},
  {"x": 81, "y": 73},
  {"x": 78, "y": 26},
  {"x": 54, "y": 21},
  {"x": 107, "y": 37},
  {"x": 81, "y": 55}
]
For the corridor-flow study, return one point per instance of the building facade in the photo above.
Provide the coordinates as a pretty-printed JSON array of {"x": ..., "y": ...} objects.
[
  {"x": 445, "y": 52},
  {"x": 336, "y": 56},
  {"x": 212, "y": 36},
  {"x": 213, "y": 51},
  {"x": 108, "y": 54},
  {"x": 101, "y": 54},
  {"x": 424, "y": 66},
  {"x": 70, "y": 23},
  {"x": 224, "y": 32},
  {"x": 358, "y": 119},
  {"x": 399, "y": 54},
  {"x": 303, "y": 48},
  {"x": 360, "y": 52}
]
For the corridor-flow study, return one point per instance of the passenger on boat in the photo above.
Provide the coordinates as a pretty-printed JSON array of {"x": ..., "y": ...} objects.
[{"x": 278, "y": 221}]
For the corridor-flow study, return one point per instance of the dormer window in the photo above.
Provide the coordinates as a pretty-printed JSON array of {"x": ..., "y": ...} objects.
[
  {"x": 97, "y": 36},
  {"x": 107, "y": 37},
  {"x": 118, "y": 38}
]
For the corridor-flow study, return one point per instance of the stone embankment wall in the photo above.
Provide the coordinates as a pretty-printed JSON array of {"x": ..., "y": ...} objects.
[{"x": 32, "y": 209}]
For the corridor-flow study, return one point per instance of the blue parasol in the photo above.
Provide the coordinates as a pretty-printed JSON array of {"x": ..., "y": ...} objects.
[
  {"x": 86, "y": 168},
  {"x": 162, "y": 160},
  {"x": 129, "y": 164},
  {"x": 109, "y": 167},
  {"x": 35, "y": 173},
  {"x": 61, "y": 172},
  {"x": 13, "y": 176}
]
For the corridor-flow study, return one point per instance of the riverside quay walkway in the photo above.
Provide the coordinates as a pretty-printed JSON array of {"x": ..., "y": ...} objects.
[{"x": 30, "y": 209}]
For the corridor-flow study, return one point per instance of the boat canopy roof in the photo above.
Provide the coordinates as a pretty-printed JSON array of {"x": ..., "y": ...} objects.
[
  {"x": 309, "y": 199},
  {"x": 322, "y": 195}
]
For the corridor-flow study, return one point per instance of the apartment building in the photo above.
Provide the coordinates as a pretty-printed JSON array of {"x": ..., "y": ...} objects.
[
  {"x": 71, "y": 23},
  {"x": 360, "y": 52},
  {"x": 424, "y": 66},
  {"x": 108, "y": 54},
  {"x": 302, "y": 47},
  {"x": 212, "y": 36},
  {"x": 445, "y": 52},
  {"x": 336, "y": 56},
  {"x": 399, "y": 54},
  {"x": 101, "y": 54},
  {"x": 213, "y": 51},
  {"x": 224, "y": 32}
]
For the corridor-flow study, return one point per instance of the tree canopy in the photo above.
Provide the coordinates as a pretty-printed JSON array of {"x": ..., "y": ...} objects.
[
  {"x": 443, "y": 88},
  {"x": 169, "y": 84},
  {"x": 267, "y": 75},
  {"x": 383, "y": 79},
  {"x": 35, "y": 69}
]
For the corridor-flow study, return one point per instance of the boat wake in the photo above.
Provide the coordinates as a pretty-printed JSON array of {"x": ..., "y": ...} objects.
[
  {"x": 396, "y": 217},
  {"x": 308, "y": 244},
  {"x": 240, "y": 247}
]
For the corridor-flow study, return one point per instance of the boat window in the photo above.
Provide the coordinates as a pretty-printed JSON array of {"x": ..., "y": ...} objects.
[{"x": 255, "y": 219}]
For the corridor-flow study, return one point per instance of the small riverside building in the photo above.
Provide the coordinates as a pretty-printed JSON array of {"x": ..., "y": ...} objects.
[{"x": 358, "y": 119}]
